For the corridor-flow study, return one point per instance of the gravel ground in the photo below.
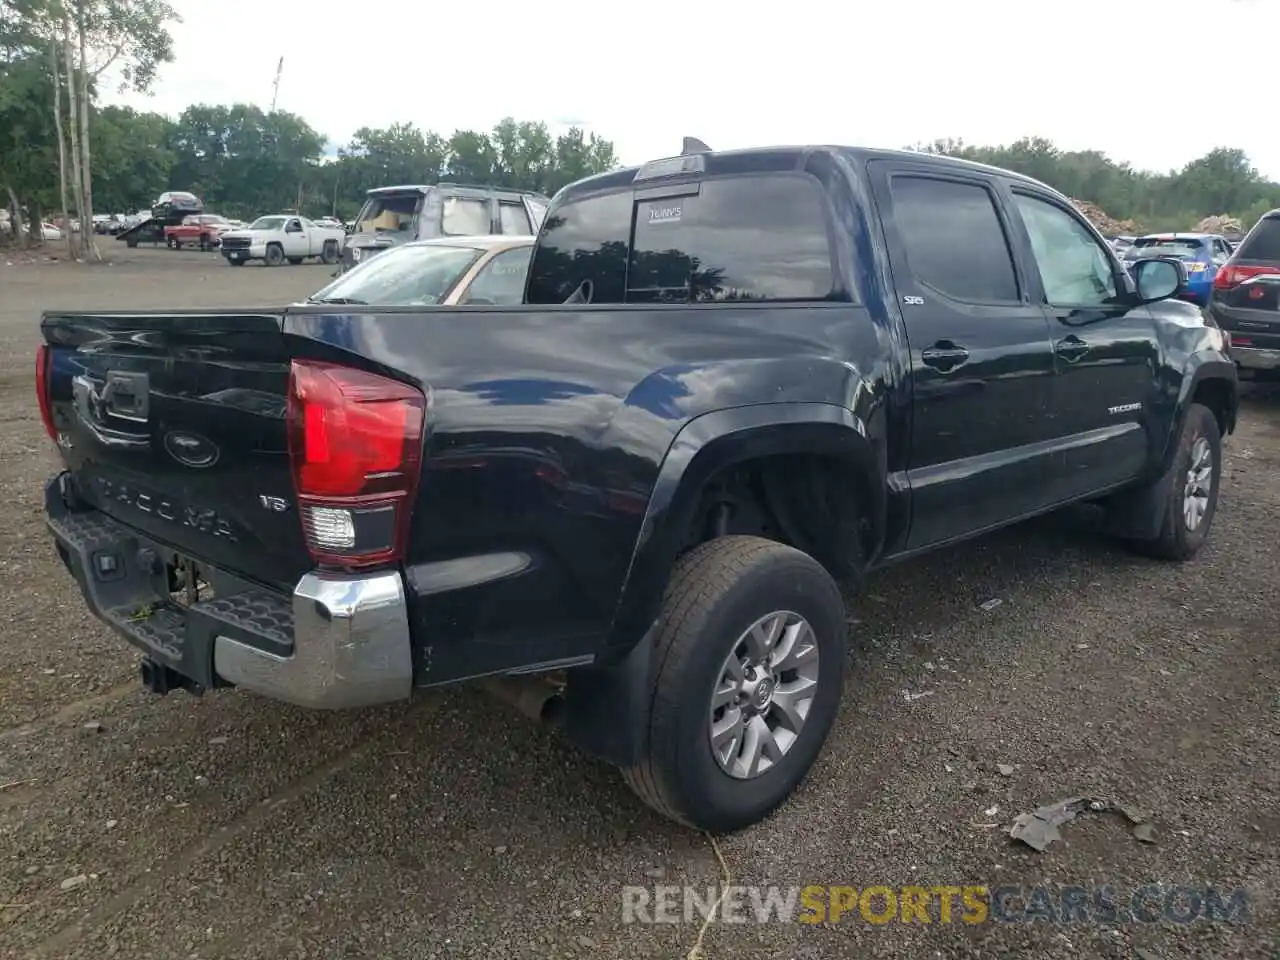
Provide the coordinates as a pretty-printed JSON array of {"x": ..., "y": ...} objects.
[{"x": 230, "y": 826}]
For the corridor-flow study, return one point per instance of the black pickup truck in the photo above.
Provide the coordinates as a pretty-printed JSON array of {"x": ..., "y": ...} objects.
[{"x": 738, "y": 378}]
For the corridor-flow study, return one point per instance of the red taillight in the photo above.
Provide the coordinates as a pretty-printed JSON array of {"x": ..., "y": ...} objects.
[
  {"x": 355, "y": 443},
  {"x": 1232, "y": 275},
  {"x": 44, "y": 395}
]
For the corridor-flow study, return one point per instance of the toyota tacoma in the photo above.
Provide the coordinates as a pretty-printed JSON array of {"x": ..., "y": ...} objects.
[{"x": 737, "y": 381}]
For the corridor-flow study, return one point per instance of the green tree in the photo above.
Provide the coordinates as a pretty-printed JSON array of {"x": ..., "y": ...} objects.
[
  {"x": 245, "y": 162},
  {"x": 84, "y": 39},
  {"x": 27, "y": 150},
  {"x": 578, "y": 156},
  {"x": 473, "y": 158},
  {"x": 132, "y": 155},
  {"x": 242, "y": 160},
  {"x": 1223, "y": 181}
]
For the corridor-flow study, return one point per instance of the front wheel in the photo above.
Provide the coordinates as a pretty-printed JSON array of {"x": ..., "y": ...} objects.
[
  {"x": 749, "y": 653},
  {"x": 1191, "y": 500},
  {"x": 275, "y": 255}
]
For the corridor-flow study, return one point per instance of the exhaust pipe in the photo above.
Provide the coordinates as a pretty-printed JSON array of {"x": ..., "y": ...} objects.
[{"x": 536, "y": 697}]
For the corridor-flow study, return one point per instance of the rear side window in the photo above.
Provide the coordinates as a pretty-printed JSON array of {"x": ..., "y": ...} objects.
[
  {"x": 501, "y": 280},
  {"x": 514, "y": 219},
  {"x": 1262, "y": 242},
  {"x": 582, "y": 241},
  {"x": 745, "y": 238},
  {"x": 465, "y": 217},
  {"x": 954, "y": 240}
]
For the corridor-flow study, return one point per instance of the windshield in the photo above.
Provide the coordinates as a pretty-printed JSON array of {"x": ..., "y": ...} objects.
[
  {"x": 403, "y": 276},
  {"x": 1167, "y": 247},
  {"x": 394, "y": 212},
  {"x": 268, "y": 223}
]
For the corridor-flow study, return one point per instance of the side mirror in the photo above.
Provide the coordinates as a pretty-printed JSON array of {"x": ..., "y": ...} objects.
[{"x": 1158, "y": 278}]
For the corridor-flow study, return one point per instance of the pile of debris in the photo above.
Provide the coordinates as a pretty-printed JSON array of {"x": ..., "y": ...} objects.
[
  {"x": 1222, "y": 225},
  {"x": 1106, "y": 225}
]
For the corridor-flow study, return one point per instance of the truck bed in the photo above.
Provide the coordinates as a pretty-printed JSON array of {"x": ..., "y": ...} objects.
[{"x": 545, "y": 429}]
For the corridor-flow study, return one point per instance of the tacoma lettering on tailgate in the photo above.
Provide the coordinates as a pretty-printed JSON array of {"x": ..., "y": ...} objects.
[{"x": 206, "y": 521}]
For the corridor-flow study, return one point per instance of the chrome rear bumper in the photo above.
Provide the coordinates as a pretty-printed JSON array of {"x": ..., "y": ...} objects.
[{"x": 350, "y": 646}]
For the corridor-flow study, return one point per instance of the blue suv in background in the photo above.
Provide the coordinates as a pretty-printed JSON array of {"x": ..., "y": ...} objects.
[{"x": 1201, "y": 253}]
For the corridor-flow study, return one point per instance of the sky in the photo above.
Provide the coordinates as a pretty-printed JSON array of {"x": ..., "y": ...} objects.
[{"x": 1138, "y": 80}]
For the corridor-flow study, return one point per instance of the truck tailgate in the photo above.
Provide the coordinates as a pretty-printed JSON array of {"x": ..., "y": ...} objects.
[{"x": 175, "y": 425}]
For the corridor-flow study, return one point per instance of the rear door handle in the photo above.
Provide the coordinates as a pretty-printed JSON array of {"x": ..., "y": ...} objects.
[
  {"x": 1071, "y": 348},
  {"x": 944, "y": 356}
]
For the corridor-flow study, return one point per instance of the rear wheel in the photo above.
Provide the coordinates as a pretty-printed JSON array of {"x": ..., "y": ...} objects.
[
  {"x": 275, "y": 255},
  {"x": 295, "y": 260},
  {"x": 329, "y": 254},
  {"x": 749, "y": 665},
  {"x": 172, "y": 243}
]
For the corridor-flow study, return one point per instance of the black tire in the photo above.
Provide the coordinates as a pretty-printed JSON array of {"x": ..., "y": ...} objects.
[
  {"x": 275, "y": 255},
  {"x": 172, "y": 244},
  {"x": 329, "y": 253},
  {"x": 235, "y": 263},
  {"x": 1177, "y": 541},
  {"x": 295, "y": 261},
  {"x": 716, "y": 592}
]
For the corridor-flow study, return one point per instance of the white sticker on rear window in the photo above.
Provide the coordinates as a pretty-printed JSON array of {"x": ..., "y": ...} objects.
[{"x": 664, "y": 214}]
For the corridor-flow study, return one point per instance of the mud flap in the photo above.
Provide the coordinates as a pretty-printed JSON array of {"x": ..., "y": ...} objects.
[
  {"x": 1139, "y": 514},
  {"x": 606, "y": 707}
]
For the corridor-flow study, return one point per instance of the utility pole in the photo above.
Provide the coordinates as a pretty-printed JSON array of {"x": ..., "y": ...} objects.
[{"x": 275, "y": 87}]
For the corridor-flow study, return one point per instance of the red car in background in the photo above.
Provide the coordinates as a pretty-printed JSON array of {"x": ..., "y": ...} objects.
[{"x": 203, "y": 230}]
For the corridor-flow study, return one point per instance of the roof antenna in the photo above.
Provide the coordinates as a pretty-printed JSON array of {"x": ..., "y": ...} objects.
[{"x": 693, "y": 145}]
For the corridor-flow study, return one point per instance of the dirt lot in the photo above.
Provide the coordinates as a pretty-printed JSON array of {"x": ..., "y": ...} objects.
[{"x": 230, "y": 826}]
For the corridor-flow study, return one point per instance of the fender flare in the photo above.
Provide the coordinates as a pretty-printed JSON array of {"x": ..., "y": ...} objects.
[
  {"x": 1204, "y": 367},
  {"x": 1200, "y": 367},
  {"x": 1138, "y": 513},
  {"x": 607, "y": 704}
]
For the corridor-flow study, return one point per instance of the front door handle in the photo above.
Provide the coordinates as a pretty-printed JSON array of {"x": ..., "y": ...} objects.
[
  {"x": 944, "y": 356},
  {"x": 1071, "y": 348}
]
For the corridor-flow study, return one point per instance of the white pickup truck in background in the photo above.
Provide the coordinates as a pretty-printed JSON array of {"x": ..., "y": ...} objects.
[{"x": 282, "y": 237}]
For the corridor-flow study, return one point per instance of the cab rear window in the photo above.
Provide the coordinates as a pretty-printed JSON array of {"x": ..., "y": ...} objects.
[{"x": 761, "y": 238}]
